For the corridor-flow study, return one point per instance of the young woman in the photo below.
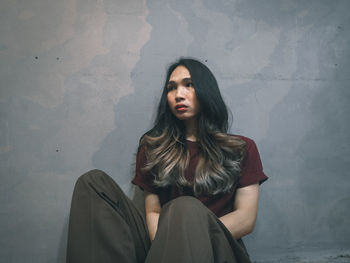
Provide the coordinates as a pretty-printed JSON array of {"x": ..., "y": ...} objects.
[{"x": 201, "y": 185}]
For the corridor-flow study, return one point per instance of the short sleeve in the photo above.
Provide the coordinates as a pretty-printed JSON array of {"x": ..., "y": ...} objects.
[
  {"x": 251, "y": 166},
  {"x": 142, "y": 178}
]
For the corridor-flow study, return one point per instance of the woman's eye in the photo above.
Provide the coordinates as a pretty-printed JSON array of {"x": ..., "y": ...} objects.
[
  {"x": 189, "y": 84},
  {"x": 171, "y": 87}
]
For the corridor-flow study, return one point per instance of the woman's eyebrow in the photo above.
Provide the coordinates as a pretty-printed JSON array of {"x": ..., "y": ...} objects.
[
  {"x": 183, "y": 80},
  {"x": 187, "y": 79}
]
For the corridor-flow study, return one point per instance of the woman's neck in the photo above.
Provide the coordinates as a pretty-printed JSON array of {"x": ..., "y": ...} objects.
[{"x": 191, "y": 129}]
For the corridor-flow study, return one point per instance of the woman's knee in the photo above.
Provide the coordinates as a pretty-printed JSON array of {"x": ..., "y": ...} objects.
[
  {"x": 96, "y": 179},
  {"x": 186, "y": 205},
  {"x": 99, "y": 182},
  {"x": 93, "y": 175}
]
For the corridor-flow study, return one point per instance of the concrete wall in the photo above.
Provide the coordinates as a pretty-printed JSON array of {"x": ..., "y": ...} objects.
[{"x": 79, "y": 81}]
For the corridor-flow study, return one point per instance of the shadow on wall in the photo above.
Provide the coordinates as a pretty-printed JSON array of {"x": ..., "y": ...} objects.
[
  {"x": 309, "y": 153},
  {"x": 62, "y": 249}
]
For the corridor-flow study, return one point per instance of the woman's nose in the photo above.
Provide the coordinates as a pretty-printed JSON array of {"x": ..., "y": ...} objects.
[{"x": 179, "y": 93}]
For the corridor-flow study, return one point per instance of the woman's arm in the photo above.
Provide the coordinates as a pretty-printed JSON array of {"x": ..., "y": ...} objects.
[
  {"x": 152, "y": 210},
  {"x": 241, "y": 221}
]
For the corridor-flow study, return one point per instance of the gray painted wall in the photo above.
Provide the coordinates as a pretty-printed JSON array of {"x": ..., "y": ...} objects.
[{"x": 79, "y": 81}]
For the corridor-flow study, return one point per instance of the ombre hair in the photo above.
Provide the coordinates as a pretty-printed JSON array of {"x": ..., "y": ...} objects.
[{"x": 219, "y": 153}]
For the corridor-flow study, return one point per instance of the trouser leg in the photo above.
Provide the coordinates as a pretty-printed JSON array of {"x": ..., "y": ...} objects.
[
  {"x": 104, "y": 225},
  {"x": 189, "y": 232}
]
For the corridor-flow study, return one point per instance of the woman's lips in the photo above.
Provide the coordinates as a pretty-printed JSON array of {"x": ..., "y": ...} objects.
[{"x": 180, "y": 107}]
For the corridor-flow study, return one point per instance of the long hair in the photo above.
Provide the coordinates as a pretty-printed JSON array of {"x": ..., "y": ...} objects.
[{"x": 219, "y": 153}]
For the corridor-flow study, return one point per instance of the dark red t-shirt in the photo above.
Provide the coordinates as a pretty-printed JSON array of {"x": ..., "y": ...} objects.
[{"x": 220, "y": 204}]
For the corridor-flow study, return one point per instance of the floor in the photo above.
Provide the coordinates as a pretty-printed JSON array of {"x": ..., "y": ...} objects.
[
  {"x": 314, "y": 256},
  {"x": 334, "y": 259}
]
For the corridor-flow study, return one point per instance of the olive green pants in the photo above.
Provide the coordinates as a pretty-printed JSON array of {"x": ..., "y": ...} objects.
[{"x": 105, "y": 226}]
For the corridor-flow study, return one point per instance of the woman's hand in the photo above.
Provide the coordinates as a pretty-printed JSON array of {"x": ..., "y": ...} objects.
[
  {"x": 152, "y": 210},
  {"x": 241, "y": 221}
]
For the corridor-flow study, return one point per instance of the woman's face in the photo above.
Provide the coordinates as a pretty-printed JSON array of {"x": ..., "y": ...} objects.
[{"x": 182, "y": 98}]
